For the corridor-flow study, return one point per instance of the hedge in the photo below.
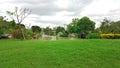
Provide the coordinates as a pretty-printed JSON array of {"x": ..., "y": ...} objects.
[
  {"x": 93, "y": 36},
  {"x": 102, "y": 36},
  {"x": 110, "y": 36}
]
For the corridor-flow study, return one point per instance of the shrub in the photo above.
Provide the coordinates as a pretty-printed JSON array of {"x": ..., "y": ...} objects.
[
  {"x": 17, "y": 34},
  {"x": 64, "y": 35},
  {"x": 1, "y": 32},
  {"x": 110, "y": 36},
  {"x": 36, "y": 35},
  {"x": 117, "y": 36},
  {"x": 93, "y": 36},
  {"x": 28, "y": 34}
]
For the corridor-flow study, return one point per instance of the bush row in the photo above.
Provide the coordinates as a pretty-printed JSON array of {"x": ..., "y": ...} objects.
[
  {"x": 110, "y": 36},
  {"x": 93, "y": 36},
  {"x": 103, "y": 36}
]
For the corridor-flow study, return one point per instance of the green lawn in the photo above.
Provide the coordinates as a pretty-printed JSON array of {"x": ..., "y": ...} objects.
[{"x": 60, "y": 54}]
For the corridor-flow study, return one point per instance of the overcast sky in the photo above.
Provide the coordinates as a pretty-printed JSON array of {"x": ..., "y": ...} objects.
[{"x": 59, "y": 12}]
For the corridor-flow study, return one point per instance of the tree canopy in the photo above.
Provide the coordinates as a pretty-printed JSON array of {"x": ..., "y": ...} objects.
[{"x": 79, "y": 26}]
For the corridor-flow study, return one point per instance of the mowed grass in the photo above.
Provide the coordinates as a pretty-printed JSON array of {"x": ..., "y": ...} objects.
[{"x": 60, "y": 54}]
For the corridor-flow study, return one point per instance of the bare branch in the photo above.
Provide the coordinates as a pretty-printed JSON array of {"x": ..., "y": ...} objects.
[{"x": 21, "y": 14}]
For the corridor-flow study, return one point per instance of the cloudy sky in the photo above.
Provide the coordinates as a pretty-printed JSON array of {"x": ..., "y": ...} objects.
[{"x": 59, "y": 12}]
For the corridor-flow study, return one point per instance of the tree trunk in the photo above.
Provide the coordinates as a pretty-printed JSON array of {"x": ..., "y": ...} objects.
[{"x": 23, "y": 34}]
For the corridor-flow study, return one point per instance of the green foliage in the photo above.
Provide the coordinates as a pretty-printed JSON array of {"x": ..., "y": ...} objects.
[
  {"x": 114, "y": 27},
  {"x": 80, "y": 26},
  {"x": 108, "y": 26},
  {"x": 73, "y": 27},
  {"x": 10, "y": 27},
  {"x": 93, "y": 36},
  {"x": 1, "y": 18},
  {"x": 13, "y": 25},
  {"x": 105, "y": 24},
  {"x": 60, "y": 29},
  {"x": 85, "y": 25},
  {"x": 28, "y": 33},
  {"x": 48, "y": 31},
  {"x": 7, "y": 26},
  {"x": 64, "y": 35},
  {"x": 17, "y": 34},
  {"x": 1, "y": 31},
  {"x": 39, "y": 35},
  {"x": 36, "y": 29}
]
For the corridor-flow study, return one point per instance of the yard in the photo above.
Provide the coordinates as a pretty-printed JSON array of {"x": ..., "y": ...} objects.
[{"x": 60, "y": 54}]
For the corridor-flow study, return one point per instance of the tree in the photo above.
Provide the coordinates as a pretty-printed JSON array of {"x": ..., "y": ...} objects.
[
  {"x": 48, "y": 31},
  {"x": 1, "y": 25},
  {"x": 7, "y": 26},
  {"x": 85, "y": 25},
  {"x": 36, "y": 29},
  {"x": 60, "y": 29},
  {"x": 72, "y": 27},
  {"x": 108, "y": 26},
  {"x": 115, "y": 27},
  {"x": 81, "y": 26},
  {"x": 19, "y": 15},
  {"x": 105, "y": 24}
]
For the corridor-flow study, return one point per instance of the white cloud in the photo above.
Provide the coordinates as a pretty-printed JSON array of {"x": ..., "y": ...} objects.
[
  {"x": 64, "y": 13},
  {"x": 99, "y": 9},
  {"x": 59, "y": 12},
  {"x": 62, "y": 4}
]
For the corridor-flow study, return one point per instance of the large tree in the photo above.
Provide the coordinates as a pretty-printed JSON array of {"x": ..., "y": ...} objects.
[
  {"x": 19, "y": 15},
  {"x": 115, "y": 27},
  {"x": 79, "y": 26},
  {"x": 108, "y": 26},
  {"x": 105, "y": 24},
  {"x": 85, "y": 25}
]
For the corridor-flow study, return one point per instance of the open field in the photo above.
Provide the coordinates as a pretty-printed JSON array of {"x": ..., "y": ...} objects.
[{"x": 60, "y": 54}]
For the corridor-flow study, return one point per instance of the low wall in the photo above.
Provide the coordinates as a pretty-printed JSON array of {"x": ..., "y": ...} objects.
[{"x": 46, "y": 37}]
